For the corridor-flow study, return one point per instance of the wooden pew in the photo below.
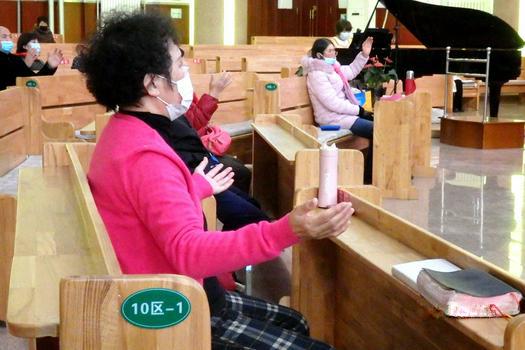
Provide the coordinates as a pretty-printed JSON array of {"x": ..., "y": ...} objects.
[
  {"x": 402, "y": 144},
  {"x": 7, "y": 241},
  {"x": 345, "y": 288},
  {"x": 306, "y": 41},
  {"x": 269, "y": 67},
  {"x": 58, "y": 105},
  {"x": 197, "y": 65},
  {"x": 211, "y": 52},
  {"x": 278, "y": 166},
  {"x": 234, "y": 113},
  {"x": 14, "y": 114},
  {"x": 290, "y": 96},
  {"x": 64, "y": 236}
]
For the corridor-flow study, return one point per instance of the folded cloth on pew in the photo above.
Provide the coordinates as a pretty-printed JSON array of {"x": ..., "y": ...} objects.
[
  {"x": 326, "y": 136},
  {"x": 236, "y": 129}
]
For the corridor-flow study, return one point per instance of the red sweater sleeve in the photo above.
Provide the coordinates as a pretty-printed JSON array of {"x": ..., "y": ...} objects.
[
  {"x": 201, "y": 111},
  {"x": 161, "y": 195}
]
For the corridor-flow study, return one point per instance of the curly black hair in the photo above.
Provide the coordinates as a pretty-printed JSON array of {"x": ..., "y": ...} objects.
[{"x": 122, "y": 52}]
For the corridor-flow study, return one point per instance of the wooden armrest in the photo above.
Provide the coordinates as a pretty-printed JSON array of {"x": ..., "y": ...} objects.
[
  {"x": 60, "y": 131},
  {"x": 90, "y": 313}
]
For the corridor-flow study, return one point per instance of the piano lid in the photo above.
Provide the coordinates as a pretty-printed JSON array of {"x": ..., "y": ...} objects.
[{"x": 442, "y": 26}]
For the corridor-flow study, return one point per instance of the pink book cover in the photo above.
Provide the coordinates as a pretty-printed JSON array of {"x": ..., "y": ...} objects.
[{"x": 457, "y": 304}]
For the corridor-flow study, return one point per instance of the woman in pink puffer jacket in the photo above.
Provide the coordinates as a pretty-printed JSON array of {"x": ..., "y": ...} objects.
[
  {"x": 331, "y": 96},
  {"x": 330, "y": 93}
]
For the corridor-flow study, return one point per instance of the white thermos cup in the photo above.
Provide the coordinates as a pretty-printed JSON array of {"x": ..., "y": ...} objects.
[{"x": 327, "y": 176}]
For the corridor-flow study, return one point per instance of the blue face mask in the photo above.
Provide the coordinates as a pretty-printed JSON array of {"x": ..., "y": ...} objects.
[
  {"x": 7, "y": 46},
  {"x": 330, "y": 60}
]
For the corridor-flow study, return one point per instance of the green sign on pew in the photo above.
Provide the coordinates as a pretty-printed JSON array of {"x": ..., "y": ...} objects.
[
  {"x": 31, "y": 83},
  {"x": 155, "y": 308},
  {"x": 271, "y": 86}
]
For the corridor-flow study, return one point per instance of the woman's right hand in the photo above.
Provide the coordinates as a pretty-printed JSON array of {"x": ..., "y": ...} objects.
[
  {"x": 219, "y": 180},
  {"x": 308, "y": 223}
]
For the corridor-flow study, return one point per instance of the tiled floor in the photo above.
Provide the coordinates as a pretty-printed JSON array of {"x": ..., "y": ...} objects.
[{"x": 475, "y": 201}]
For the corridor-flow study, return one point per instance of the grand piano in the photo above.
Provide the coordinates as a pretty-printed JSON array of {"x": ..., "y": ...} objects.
[{"x": 468, "y": 32}]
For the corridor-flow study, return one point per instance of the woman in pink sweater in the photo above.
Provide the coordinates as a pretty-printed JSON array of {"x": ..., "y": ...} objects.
[
  {"x": 150, "y": 202},
  {"x": 330, "y": 93}
]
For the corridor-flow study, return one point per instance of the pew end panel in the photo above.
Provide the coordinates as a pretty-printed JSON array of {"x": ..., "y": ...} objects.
[
  {"x": 51, "y": 99},
  {"x": 14, "y": 113},
  {"x": 68, "y": 238},
  {"x": 7, "y": 242},
  {"x": 99, "y": 323},
  {"x": 345, "y": 288},
  {"x": 392, "y": 153}
]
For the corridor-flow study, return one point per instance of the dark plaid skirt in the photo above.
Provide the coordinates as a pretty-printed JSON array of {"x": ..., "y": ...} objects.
[{"x": 251, "y": 323}]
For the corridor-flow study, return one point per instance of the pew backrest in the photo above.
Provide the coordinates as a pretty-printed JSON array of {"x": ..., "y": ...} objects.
[
  {"x": 235, "y": 102},
  {"x": 14, "y": 113},
  {"x": 306, "y": 41},
  {"x": 435, "y": 85},
  {"x": 57, "y": 99}
]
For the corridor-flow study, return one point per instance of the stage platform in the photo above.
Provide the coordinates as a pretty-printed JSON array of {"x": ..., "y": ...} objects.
[{"x": 472, "y": 131}]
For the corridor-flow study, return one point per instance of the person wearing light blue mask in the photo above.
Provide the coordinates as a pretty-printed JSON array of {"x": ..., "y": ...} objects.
[
  {"x": 333, "y": 101},
  {"x": 12, "y": 65}
]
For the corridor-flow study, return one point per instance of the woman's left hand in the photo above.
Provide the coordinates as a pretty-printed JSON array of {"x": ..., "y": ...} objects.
[
  {"x": 367, "y": 46},
  {"x": 219, "y": 179}
]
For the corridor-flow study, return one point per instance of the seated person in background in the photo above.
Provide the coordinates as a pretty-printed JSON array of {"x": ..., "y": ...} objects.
[
  {"x": 42, "y": 30},
  {"x": 77, "y": 61},
  {"x": 151, "y": 203},
  {"x": 28, "y": 41},
  {"x": 199, "y": 115},
  {"x": 343, "y": 36},
  {"x": 332, "y": 99},
  {"x": 12, "y": 66}
]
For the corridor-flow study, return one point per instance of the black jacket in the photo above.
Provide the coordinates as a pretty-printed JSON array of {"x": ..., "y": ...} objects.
[{"x": 12, "y": 66}]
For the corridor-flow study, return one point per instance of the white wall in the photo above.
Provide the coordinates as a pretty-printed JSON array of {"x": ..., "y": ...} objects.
[{"x": 209, "y": 21}]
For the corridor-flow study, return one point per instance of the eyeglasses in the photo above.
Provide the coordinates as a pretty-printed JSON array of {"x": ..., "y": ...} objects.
[{"x": 332, "y": 51}]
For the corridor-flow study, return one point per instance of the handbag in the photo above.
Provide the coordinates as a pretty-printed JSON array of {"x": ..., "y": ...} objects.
[{"x": 216, "y": 140}]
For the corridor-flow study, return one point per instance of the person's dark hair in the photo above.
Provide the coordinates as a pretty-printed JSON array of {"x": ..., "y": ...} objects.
[
  {"x": 343, "y": 26},
  {"x": 122, "y": 52},
  {"x": 23, "y": 39},
  {"x": 319, "y": 46},
  {"x": 42, "y": 19}
]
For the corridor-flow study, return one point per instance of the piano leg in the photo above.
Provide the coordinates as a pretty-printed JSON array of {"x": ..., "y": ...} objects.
[{"x": 494, "y": 97}]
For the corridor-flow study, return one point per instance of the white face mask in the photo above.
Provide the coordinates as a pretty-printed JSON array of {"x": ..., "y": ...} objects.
[
  {"x": 185, "y": 89},
  {"x": 35, "y": 46},
  {"x": 344, "y": 36}
]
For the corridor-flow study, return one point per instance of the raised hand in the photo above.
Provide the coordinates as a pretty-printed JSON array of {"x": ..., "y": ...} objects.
[
  {"x": 367, "y": 46},
  {"x": 31, "y": 56},
  {"x": 308, "y": 223},
  {"x": 54, "y": 58},
  {"x": 219, "y": 179},
  {"x": 218, "y": 83}
]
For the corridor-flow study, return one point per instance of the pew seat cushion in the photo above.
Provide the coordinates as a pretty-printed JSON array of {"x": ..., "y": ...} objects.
[{"x": 236, "y": 129}]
